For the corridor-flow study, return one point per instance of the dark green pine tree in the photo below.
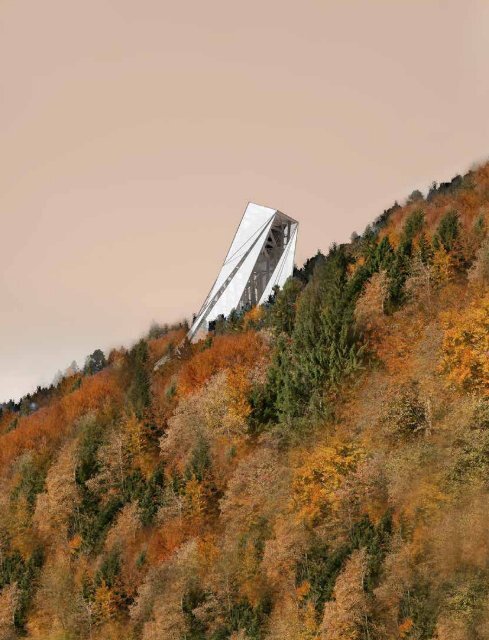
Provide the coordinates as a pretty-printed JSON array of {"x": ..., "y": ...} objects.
[
  {"x": 139, "y": 391},
  {"x": 281, "y": 315},
  {"x": 95, "y": 362},
  {"x": 400, "y": 266},
  {"x": 425, "y": 250},
  {"x": 324, "y": 344},
  {"x": 383, "y": 256},
  {"x": 448, "y": 236},
  {"x": 448, "y": 230}
]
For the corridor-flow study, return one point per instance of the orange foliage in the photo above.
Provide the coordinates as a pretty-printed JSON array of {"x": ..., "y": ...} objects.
[
  {"x": 5, "y": 421},
  {"x": 394, "y": 346},
  {"x": 405, "y": 627},
  {"x": 44, "y": 429},
  {"x": 236, "y": 515},
  {"x": 227, "y": 352},
  {"x": 467, "y": 202},
  {"x": 157, "y": 347},
  {"x": 166, "y": 539}
]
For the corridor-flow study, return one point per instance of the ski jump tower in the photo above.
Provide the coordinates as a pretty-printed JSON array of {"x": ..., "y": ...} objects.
[{"x": 261, "y": 256}]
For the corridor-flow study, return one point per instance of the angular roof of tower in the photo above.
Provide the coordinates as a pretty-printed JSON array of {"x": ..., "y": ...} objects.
[{"x": 265, "y": 238}]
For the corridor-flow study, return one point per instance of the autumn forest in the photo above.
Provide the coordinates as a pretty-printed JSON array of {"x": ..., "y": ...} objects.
[{"x": 314, "y": 469}]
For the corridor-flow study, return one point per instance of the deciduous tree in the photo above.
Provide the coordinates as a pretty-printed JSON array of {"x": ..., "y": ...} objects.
[{"x": 346, "y": 616}]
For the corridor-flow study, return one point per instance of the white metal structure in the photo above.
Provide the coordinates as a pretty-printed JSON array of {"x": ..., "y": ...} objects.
[{"x": 261, "y": 256}]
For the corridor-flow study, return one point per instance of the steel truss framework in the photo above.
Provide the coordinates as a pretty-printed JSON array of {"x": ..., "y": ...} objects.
[{"x": 261, "y": 257}]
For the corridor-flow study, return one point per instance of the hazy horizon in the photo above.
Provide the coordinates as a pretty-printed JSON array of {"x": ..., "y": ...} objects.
[{"x": 134, "y": 134}]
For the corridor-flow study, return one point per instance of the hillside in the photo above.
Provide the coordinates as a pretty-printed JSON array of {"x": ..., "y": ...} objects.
[{"x": 316, "y": 469}]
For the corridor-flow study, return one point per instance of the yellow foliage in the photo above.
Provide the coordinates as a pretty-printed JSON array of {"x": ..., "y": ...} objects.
[
  {"x": 465, "y": 357},
  {"x": 208, "y": 553},
  {"x": 316, "y": 483},
  {"x": 134, "y": 434},
  {"x": 252, "y": 317},
  {"x": 346, "y": 617},
  {"x": 250, "y": 578},
  {"x": 369, "y": 310},
  {"x": 388, "y": 526},
  {"x": 194, "y": 497},
  {"x": 9, "y": 599},
  {"x": 293, "y": 620},
  {"x": 238, "y": 386},
  {"x": 443, "y": 266},
  {"x": 309, "y": 621},
  {"x": 105, "y": 602}
]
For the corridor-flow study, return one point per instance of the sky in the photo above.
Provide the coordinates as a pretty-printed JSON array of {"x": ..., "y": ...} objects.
[{"x": 133, "y": 134}]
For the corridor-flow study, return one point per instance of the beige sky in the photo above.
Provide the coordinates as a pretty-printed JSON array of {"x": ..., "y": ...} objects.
[{"x": 132, "y": 135}]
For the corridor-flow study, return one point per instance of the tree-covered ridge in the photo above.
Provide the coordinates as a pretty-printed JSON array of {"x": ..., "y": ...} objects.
[{"x": 316, "y": 469}]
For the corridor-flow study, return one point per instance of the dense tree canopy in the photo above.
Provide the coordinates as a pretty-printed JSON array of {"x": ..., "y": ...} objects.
[{"x": 314, "y": 469}]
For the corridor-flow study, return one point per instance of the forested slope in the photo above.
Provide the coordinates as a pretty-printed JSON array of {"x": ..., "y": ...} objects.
[{"x": 316, "y": 469}]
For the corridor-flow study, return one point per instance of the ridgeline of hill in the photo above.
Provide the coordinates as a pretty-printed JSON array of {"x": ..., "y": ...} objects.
[{"x": 317, "y": 469}]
